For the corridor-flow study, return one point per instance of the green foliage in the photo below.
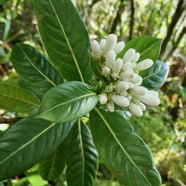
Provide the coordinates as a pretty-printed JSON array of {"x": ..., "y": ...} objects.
[
  {"x": 67, "y": 102},
  {"x": 81, "y": 168},
  {"x": 156, "y": 75},
  {"x": 17, "y": 99},
  {"x": 37, "y": 74},
  {"x": 65, "y": 38},
  {"x": 148, "y": 47},
  {"x": 122, "y": 150},
  {"x": 26, "y": 143},
  {"x": 68, "y": 90},
  {"x": 52, "y": 167}
]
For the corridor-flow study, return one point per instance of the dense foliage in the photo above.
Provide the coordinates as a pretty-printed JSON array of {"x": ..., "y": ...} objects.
[{"x": 162, "y": 128}]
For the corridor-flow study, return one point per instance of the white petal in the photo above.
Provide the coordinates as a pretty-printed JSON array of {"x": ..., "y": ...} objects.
[
  {"x": 110, "y": 58},
  {"x": 136, "y": 57},
  {"x": 152, "y": 92},
  {"x": 103, "y": 99},
  {"x": 122, "y": 86},
  {"x": 143, "y": 65},
  {"x": 129, "y": 55},
  {"x": 149, "y": 100},
  {"x": 135, "y": 109},
  {"x": 137, "y": 80},
  {"x": 110, "y": 106},
  {"x": 128, "y": 75},
  {"x": 141, "y": 105},
  {"x": 139, "y": 90},
  {"x": 120, "y": 100},
  {"x": 119, "y": 47},
  {"x": 96, "y": 50},
  {"x": 105, "y": 71},
  {"x": 110, "y": 43},
  {"x": 118, "y": 65},
  {"x": 127, "y": 66},
  {"x": 102, "y": 43}
]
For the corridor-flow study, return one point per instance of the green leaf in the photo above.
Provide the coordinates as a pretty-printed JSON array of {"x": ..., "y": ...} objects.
[
  {"x": 82, "y": 158},
  {"x": 16, "y": 99},
  {"x": 65, "y": 38},
  {"x": 67, "y": 102},
  {"x": 52, "y": 167},
  {"x": 155, "y": 77},
  {"x": 148, "y": 47},
  {"x": 122, "y": 150},
  {"x": 28, "y": 142},
  {"x": 37, "y": 74}
]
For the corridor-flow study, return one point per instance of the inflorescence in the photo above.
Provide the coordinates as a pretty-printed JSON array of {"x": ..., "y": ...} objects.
[{"x": 123, "y": 87}]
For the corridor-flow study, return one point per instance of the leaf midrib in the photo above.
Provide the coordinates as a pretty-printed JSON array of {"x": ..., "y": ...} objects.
[
  {"x": 125, "y": 152},
  {"x": 150, "y": 47},
  {"x": 82, "y": 151},
  {"x": 68, "y": 43},
  {"x": 53, "y": 84},
  {"x": 24, "y": 101},
  {"x": 64, "y": 103},
  {"x": 28, "y": 143}
]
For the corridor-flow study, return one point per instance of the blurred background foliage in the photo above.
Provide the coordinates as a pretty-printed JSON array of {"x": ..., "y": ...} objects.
[{"x": 162, "y": 128}]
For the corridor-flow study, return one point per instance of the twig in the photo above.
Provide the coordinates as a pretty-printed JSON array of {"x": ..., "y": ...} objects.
[
  {"x": 177, "y": 14},
  {"x": 132, "y": 20}
]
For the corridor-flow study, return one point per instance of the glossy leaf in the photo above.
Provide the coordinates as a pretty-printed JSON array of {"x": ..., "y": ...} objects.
[
  {"x": 67, "y": 102},
  {"x": 16, "y": 99},
  {"x": 28, "y": 142},
  {"x": 148, "y": 47},
  {"x": 67, "y": 45},
  {"x": 36, "y": 73},
  {"x": 155, "y": 77},
  {"x": 82, "y": 158},
  {"x": 52, "y": 167},
  {"x": 122, "y": 150}
]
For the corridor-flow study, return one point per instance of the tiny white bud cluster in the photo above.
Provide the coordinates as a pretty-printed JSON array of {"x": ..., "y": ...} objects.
[{"x": 123, "y": 87}]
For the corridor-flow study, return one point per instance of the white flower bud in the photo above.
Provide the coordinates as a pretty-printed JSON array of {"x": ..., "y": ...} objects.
[
  {"x": 122, "y": 86},
  {"x": 119, "y": 47},
  {"x": 120, "y": 100},
  {"x": 96, "y": 50},
  {"x": 126, "y": 66},
  {"x": 118, "y": 65},
  {"x": 110, "y": 58},
  {"x": 103, "y": 98},
  {"x": 124, "y": 93},
  {"x": 149, "y": 100},
  {"x": 136, "y": 57},
  {"x": 129, "y": 97},
  {"x": 141, "y": 105},
  {"x": 137, "y": 80},
  {"x": 139, "y": 90},
  {"x": 143, "y": 65},
  {"x": 135, "y": 109},
  {"x": 110, "y": 43},
  {"x": 133, "y": 65},
  {"x": 114, "y": 75},
  {"x": 154, "y": 93},
  {"x": 129, "y": 55},
  {"x": 128, "y": 75},
  {"x": 102, "y": 43},
  {"x": 105, "y": 71},
  {"x": 110, "y": 106},
  {"x": 131, "y": 85}
]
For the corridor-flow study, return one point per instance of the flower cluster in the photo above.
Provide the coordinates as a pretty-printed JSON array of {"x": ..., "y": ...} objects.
[{"x": 123, "y": 86}]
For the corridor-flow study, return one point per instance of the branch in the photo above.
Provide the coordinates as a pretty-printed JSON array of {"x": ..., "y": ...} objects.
[
  {"x": 132, "y": 20},
  {"x": 118, "y": 16},
  {"x": 176, "y": 43},
  {"x": 177, "y": 14},
  {"x": 9, "y": 120}
]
